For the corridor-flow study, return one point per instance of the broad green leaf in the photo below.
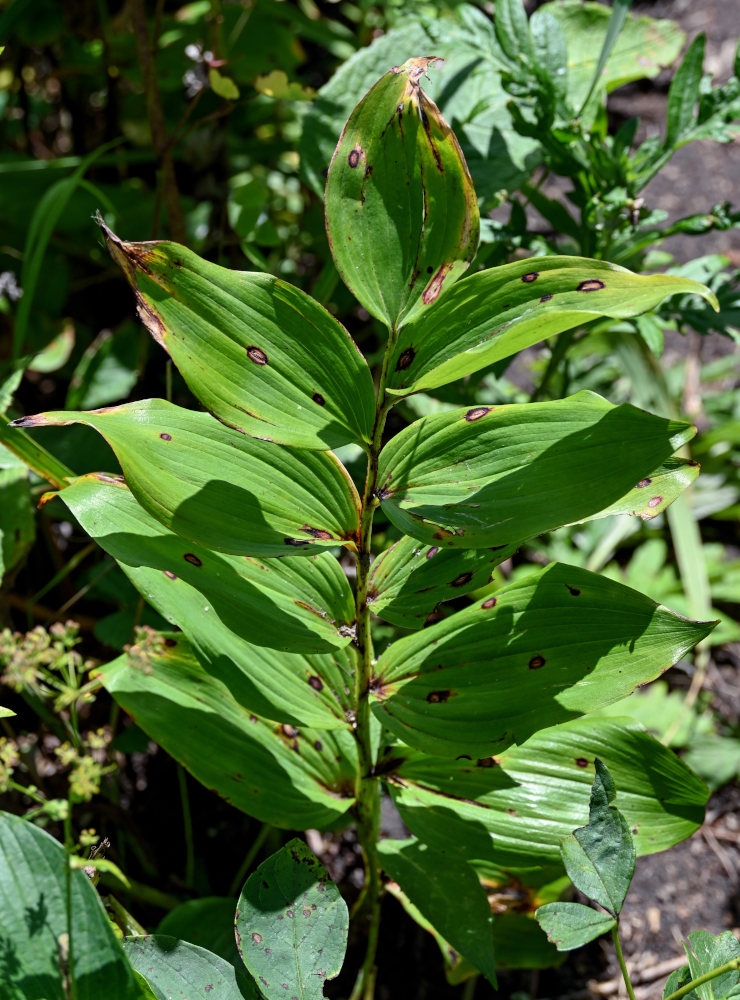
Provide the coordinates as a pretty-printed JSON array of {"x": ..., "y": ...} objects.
[
  {"x": 409, "y": 580},
  {"x": 293, "y": 603},
  {"x": 683, "y": 94},
  {"x": 448, "y": 894},
  {"x": 177, "y": 968},
  {"x": 491, "y": 475},
  {"x": 493, "y": 314},
  {"x": 260, "y": 354},
  {"x": 548, "y": 648},
  {"x": 290, "y": 777},
  {"x": 655, "y": 492},
  {"x": 291, "y": 925},
  {"x": 401, "y": 211},
  {"x": 571, "y": 925},
  {"x": 512, "y": 32},
  {"x": 219, "y": 488},
  {"x": 514, "y": 809},
  {"x": 600, "y": 857},
  {"x": 207, "y": 922},
  {"x": 41, "y": 946},
  {"x": 707, "y": 952}
]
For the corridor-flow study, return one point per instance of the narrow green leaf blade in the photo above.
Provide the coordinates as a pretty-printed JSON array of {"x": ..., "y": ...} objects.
[
  {"x": 261, "y": 355},
  {"x": 495, "y": 313},
  {"x": 571, "y": 925},
  {"x": 600, "y": 857},
  {"x": 219, "y": 488},
  {"x": 292, "y": 603},
  {"x": 401, "y": 212},
  {"x": 514, "y": 809},
  {"x": 178, "y": 968},
  {"x": 40, "y": 948},
  {"x": 291, "y": 925},
  {"x": 448, "y": 893},
  {"x": 492, "y": 475},
  {"x": 290, "y": 777},
  {"x": 555, "y": 645},
  {"x": 409, "y": 580},
  {"x": 683, "y": 94}
]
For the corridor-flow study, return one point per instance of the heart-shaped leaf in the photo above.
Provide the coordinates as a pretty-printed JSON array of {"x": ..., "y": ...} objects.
[
  {"x": 260, "y": 354},
  {"x": 492, "y": 475},
  {"x": 291, "y": 925},
  {"x": 513, "y": 810},
  {"x": 292, "y": 603},
  {"x": 222, "y": 489},
  {"x": 171, "y": 968},
  {"x": 555, "y": 645},
  {"x": 401, "y": 212},
  {"x": 495, "y": 313},
  {"x": 290, "y": 777}
]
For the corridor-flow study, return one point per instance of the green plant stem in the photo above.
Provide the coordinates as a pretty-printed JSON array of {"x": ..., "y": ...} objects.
[
  {"x": 187, "y": 825},
  {"x": 622, "y": 963},
  {"x": 367, "y": 788},
  {"x": 731, "y": 966},
  {"x": 249, "y": 857}
]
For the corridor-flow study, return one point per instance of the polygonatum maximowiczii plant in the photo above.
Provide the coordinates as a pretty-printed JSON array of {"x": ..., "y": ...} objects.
[{"x": 228, "y": 520}]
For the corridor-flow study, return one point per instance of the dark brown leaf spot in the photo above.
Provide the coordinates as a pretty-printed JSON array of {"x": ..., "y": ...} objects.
[
  {"x": 290, "y": 731},
  {"x": 461, "y": 580},
  {"x": 432, "y": 618},
  {"x": 573, "y": 590},
  {"x": 654, "y": 501},
  {"x": 490, "y": 602},
  {"x": 169, "y": 642},
  {"x": 306, "y": 912},
  {"x": 318, "y": 746},
  {"x": 354, "y": 158},
  {"x": 192, "y": 559},
  {"x": 434, "y": 697},
  {"x": 289, "y": 913},
  {"x": 257, "y": 938},
  {"x": 257, "y": 355},
  {"x": 318, "y": 399},
  {"x": 316, "y": 683},
  {"x": 298, "y": 542},
  {"x": 545, "y": 298},
  {"x": 581, "y": 762},
  {"x": 536, "y": 662},
  {"x": 532, "y": 276},
  {"x": 643, "y": 482},
  {"x": 168, "y": 573},
  {"x": 432, "y": 552},
  {"x": 591, "y": 285},
  {"x": 477, "y": 412},
  {"x": 405, "y": 359},
  {"x": 165, "y": 437},
  {"x": 317, "y": 532},
  {"x": 485, "y": 762},
  {"x": 253, "y": 718}
]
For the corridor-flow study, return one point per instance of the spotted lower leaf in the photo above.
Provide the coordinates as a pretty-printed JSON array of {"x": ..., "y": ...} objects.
[
  {"x": 551, "y": 647},
  {"x": 494, "y": 475},
  {"x": 260, "y": 354},
  {"x": 290, "y": 777},
  {"x": 220, "y": 488},
  {"x": 401, "y": 212},
  {"x": 495, "y": 313},
  {"x": 515, "y": 808}
]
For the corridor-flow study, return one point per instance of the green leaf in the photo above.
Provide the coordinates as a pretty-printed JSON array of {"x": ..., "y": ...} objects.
[
  {"x": 281, "y": 775},
  {"x": 291, "y": 925},
  {"x": 219, "y": 488},
  {"x": 557, "y": 644},
  {"x": 261, "y": 355},
  {"x": 17, "y": 524},
  {"x": 409, "y": 580},
  {"x": 620, "y": 10},
  {"x": 571, "y": 925},
  {"x": 512, "y": 31},
  {"x": 495, "y": 313},
  {"x": 292, "y": 603},
  {"x": 222, "y": 85},
  {"x": 401, "y": 211},
  {"x": 40, "y": 947},
  {"x": 178, "y": 968},
  {"x": 600, "y": 857},
  {"x": 655, "y": 492},
  {"x": 107, "y": 371},
  {"x": 707, "y": 952},
  {"x": 677, "y": 980},
  {"x": 683, "y": 94},
  {"x": 448, "y": 893},
  {"x": 549, "y": 50},
  {"x": 514, "y": 810},
  {"x": 491, "y": 475},
  {"x": 207, "y": 922}
]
